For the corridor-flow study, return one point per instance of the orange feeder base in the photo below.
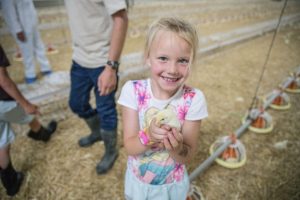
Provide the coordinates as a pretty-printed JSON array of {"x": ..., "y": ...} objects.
[
  {"x": 259, "y": 123},
  {"x": 293, "y": 85},
  {"x": 278, "y": 101}
]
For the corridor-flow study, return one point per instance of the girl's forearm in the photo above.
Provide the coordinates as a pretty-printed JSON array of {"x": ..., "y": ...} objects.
[
  {"x": 133, "y": 146},
  {"x": 10, "y": 88}
]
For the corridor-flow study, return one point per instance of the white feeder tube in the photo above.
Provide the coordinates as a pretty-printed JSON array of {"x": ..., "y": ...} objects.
[
  {"x": 218, "y": 152},
  {"x": 237, "y": 133}
]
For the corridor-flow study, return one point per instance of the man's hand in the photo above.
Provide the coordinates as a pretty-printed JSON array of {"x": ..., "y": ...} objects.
[
  {"x": 107, "y": 81},
  {"x": 21, "y": 36}
]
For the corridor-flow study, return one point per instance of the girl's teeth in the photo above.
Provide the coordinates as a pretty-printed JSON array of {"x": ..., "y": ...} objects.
[{"x": 170, "y": 79}]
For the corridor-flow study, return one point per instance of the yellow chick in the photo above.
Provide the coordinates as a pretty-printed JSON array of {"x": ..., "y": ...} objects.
[{"x": 166, "y": 116}]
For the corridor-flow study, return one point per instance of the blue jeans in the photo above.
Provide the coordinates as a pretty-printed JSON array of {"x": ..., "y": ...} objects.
[{"x": 83, "y": 80}]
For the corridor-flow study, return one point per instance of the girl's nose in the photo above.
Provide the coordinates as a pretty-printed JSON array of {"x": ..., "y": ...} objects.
[{"x": 172, "y": 68}]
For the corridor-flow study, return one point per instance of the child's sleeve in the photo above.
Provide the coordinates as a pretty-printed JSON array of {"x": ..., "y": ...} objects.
[
  {"x": 198, "y": 108},
  {"x": 127, "y": 97}
]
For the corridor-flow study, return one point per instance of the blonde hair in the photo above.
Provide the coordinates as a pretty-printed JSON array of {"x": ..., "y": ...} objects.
[{"x": 184, "y": 30}]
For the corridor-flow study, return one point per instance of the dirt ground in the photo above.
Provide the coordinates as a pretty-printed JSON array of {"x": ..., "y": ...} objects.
[{"x": 228, "y": 77}]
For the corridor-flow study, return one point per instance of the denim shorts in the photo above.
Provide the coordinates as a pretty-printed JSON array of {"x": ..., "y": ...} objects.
[
  {"x": 11, "y": 112},
  {"x": 137, "y": 190}
]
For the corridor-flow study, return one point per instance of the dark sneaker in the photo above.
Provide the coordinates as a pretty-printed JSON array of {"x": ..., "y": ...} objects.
[{"x": 44, "y": 134}]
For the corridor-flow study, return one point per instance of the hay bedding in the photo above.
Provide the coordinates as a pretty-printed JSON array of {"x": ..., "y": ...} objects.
[{"x": 62, "y": 170}]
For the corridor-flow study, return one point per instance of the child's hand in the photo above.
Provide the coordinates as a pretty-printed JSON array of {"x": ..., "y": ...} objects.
[
  {"x": 157, "y": 132},
  {"x": 174, "y": 140},
  {"x": 31, "y": 109},
  {"x": 21, "y": 36}
]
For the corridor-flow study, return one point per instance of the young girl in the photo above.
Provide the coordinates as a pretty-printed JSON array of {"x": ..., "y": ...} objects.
[{"x": 162, "y": 116}]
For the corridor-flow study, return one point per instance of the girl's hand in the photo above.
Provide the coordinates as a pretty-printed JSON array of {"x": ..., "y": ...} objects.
[
  {"x": 174, "y": 141},
  {"x": 157, "y": 133}
]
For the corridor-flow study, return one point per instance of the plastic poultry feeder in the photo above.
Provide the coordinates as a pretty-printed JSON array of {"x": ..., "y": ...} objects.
[
  {"x": 280, "y": 102},
  {"x": 234, "y": 156},
  {"x": 294, "y": 86},
  {"x": 261, "y": 121}
]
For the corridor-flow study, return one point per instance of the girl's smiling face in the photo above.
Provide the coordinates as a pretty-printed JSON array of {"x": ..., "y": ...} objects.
[{"x": 169, "y": 61}]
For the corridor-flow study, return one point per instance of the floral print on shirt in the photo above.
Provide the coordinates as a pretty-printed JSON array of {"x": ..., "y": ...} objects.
[{"x": 156, "y": 166}]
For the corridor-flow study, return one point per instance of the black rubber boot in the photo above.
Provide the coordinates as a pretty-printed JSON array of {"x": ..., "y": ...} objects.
[
  {"x": 44, "y": 134},
  {"x": 111, "y": 152},
  {"x": 11, "y": 179},
  {"x": 95, "y": 135}
]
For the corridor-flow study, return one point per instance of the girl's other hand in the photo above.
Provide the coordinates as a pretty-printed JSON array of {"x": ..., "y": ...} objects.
[{"x": 174, "y": 140}]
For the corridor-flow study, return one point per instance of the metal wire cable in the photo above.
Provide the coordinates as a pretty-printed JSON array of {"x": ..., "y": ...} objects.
[{"x": 268, "y": 56}]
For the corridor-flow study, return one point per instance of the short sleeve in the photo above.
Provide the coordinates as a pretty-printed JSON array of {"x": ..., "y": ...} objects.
[
  {"x": 198, "y": 108},
  {"x": 114, "y": 6},
  {"x": 127, "y": 97}
]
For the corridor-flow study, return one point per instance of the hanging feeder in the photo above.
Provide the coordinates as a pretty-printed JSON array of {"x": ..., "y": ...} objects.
[
  {"x": 280, "y": 102},
  {"x": 294, "y": 86},
  {"x": 261, "y": 121},
  {"x": 234, "y": 156},
  {"x": 51, "y": 49},
  {"x": 194, "y": 193}
]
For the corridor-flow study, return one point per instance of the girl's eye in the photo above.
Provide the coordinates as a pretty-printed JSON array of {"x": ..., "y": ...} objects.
[
  {"x": 162, "y": 58},
  {"x": 183, "y": 61}
]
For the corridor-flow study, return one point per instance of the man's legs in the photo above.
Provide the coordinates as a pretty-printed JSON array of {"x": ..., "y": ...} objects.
[
  {"x": 95, "y": 135},
  {"x": 81, "y": 86},
  {"x": 111, "y": 151},
  {"x": 82, "y": 82},
  {"x": 106, "y": 107}
]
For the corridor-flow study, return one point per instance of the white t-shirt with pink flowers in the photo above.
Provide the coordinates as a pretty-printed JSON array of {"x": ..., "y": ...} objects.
[{"x": 156, "y": 166}]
